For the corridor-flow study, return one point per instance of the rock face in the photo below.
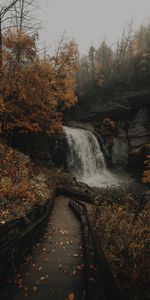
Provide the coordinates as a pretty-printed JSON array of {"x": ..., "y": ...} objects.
[
  {"x": 125, "y": 146},
  {"x": 139, "y": 129},
  {"x": 120, "y": 147},
  {"x": 59, "y": 150},
  {"x": 133, "y": 135},
  {"x": 49, "y": 150}
]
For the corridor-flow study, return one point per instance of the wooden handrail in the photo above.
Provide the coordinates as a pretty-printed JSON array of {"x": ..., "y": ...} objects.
[
  {"x": 4, "y": 248},
  {"x": 111, "y": 290},
  {"x": 75, "y": 194}
]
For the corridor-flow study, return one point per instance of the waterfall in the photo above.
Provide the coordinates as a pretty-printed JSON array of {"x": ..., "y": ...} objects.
[{"x": 85, "y": 158}]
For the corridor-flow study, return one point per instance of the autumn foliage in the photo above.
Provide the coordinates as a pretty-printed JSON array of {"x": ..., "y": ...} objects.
[
  {"x": 125, "y": 240},
  {"x": 146, "y": 173},
  {"x": 23, "y": 183},
  {"x": 35, "y": 91}
]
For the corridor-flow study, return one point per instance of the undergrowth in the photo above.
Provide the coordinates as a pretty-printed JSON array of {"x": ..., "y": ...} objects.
[
  {"x": 124, "y": 234},
  {"x": 23, "y": 183}
]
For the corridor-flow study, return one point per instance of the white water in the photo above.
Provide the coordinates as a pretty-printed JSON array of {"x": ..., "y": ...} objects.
[{"x": 85, "y": 159}]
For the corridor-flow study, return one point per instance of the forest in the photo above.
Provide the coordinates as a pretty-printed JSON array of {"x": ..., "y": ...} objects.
[
  {"x": 125, "y": 67},
  {"x": 73, "y": 125}
]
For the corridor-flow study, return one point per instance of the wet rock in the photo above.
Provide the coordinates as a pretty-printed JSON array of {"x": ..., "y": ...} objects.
[{"x": 120, "y": 147}]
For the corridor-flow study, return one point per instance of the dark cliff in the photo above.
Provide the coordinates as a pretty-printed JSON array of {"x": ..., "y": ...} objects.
[{"x": 124, "y": 145}]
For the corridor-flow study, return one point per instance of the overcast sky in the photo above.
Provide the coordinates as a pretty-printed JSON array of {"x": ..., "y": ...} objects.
[{"x": 90, "y": 21}]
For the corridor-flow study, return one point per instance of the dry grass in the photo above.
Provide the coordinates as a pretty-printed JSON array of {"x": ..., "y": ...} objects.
[{"x": 125, "y": 238}]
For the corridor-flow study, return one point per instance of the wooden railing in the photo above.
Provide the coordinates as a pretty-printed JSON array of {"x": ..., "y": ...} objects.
[
  {"x": 100, "y": 281},
  {"x": 19, "y": 238}
]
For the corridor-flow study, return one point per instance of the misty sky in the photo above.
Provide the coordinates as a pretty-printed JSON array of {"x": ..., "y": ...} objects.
[{"x": 90, "y": 21}]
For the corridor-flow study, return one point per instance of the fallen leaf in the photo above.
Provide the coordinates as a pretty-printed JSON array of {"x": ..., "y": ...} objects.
[
  {"x": 71, "y": 296},
  {"x": 42, "y": 278},
  {"x": 35, "y": 289}
]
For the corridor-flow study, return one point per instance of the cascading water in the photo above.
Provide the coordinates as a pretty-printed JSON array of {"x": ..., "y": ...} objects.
[{"x": 85, "y": 159}]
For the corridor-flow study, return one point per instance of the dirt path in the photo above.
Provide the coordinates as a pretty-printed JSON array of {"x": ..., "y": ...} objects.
[{"x": 56, "y": 268}]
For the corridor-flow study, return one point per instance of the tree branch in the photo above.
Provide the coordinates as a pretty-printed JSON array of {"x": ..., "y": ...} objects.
[{"x": 5, "y": 10}]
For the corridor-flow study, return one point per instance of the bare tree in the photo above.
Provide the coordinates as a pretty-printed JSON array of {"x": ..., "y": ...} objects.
[
  {"x": 18, "y": 14},
  {"x": 23, "y": 16},
  {"x": 3, "y": 18},
  {"x": 123, "y": 45}
]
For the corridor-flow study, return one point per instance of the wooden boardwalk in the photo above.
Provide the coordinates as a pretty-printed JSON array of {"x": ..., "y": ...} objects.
[{"x": 56, "y": 268}]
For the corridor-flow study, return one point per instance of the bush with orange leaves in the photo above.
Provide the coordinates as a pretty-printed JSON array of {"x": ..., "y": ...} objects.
[
  {"x": 22, "y": 183},
  {"x": 146, "y": 173},
  {"x": 34, "y": 91},
  {"x": 126, "y": 240}
]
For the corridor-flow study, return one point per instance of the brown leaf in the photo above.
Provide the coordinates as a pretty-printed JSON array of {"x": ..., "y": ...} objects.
[{"x": 71, "y": 296}]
